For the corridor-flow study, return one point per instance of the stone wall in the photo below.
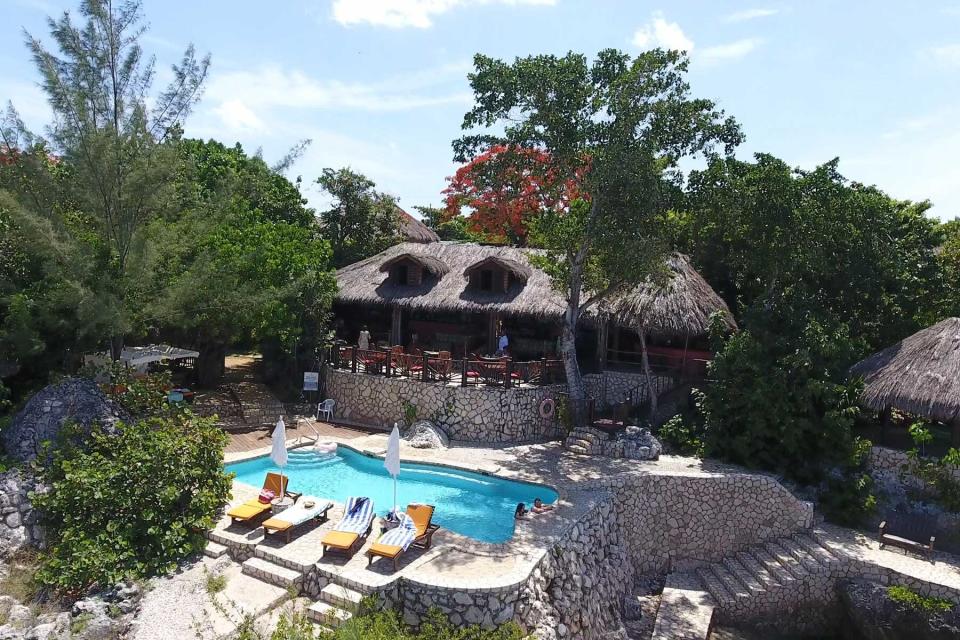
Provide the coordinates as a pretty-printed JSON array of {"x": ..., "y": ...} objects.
[
  {"x": 471, "y": 414},
  {"x": 691, "y": 519},
  {"x": 611, "y": 387},
  {"x": 467, "y": 414},
  {"x": 18, "y": 520}
]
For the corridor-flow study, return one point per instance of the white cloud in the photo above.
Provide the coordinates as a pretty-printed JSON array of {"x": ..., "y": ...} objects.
[
  {"x": 238, "y": 116},
  {"x": 750, "y": 14},
  {"x": 397, "y": 14},
  {"x": 730, "y": 51},
  {"x": 948, "y": 54},
  {"x": 659, "y": 32}
]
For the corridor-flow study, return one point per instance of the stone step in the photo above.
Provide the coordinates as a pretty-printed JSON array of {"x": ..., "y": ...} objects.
[
  {"x": 214, "y": 549},
  {"x": 341, "y": 596},
  {"x": 327, "y": 614},
  {"x": 786, "y": 559},
  {"x": 742, "y": 574},
  {"x": 272, "y": 573},
  {"x": 733, "y": 584},
  {"x": 814, "y": 548},
  {"x": 772, "y": 565},
  {"x": 575, "y": 448},
  {"x": 808, "y": 561},
  {"x": 715, "y": 586},
  {"x": 274, "y": 556},
  {"x": 685, "y": 612},
  {"x": 757, "y": 570}
]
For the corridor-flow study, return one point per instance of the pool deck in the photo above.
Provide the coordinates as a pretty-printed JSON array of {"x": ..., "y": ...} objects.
[{"x": 455, "y": 561}]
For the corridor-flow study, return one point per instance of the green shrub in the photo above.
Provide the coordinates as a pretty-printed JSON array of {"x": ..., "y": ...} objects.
[
  {"x": 142, "y": 396},
  {"x": 937, "y": 474},
  {"x": 130, "y": 505},
  {"x": 387, "y": 625},
  {"x": 914, "y": 600},
  {"x": 684, "y": 434}
]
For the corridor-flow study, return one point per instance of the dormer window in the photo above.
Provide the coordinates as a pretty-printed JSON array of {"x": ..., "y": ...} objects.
[
  {"x": 486, "y": 280},
  {"x": 496, "y": 275},
  {"x": 409, "y": 269}
]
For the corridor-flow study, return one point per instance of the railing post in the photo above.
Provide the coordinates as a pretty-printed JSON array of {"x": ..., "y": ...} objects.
[
  {"x": 388, "y": 357},
  {"x": 463, "y": 370},
  {"x": 509, "y": 374},
  {"x": 544, "y": 372},
  {"x": 423, "y": 371},
  {"x": 353, "y": 359}
]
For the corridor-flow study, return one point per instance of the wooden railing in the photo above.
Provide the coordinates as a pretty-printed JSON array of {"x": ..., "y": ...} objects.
[{"x": 438, "y": 366}]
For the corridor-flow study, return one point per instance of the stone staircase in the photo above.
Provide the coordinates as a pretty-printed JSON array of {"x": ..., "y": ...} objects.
[
  {"x": 336, "y": 605},
  {"x": 776, "y": 576},
  {"x": 586, "y": 441}
]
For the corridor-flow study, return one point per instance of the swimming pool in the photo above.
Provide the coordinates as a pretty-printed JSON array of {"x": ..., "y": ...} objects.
[{"x": 472, "y": 504}]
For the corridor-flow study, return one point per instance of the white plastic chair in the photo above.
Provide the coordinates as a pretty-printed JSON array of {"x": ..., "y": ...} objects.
[{"x": 325, "y": 409}]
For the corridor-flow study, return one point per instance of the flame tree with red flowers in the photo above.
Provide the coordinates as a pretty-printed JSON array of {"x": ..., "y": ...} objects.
[
  {"x": 635, "y": 119},
  {"x": 504, "y": 187}
]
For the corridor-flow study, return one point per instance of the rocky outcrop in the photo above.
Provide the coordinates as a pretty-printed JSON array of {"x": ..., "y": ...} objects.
[
  {"x": 74, "y": 399},
  {"x": 99, "y": 617},
  {"x": 877, "y": 616},
  {"x": 423, "y": 434}
]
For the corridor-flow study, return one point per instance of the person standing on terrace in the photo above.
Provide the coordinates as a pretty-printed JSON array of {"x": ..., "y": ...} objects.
[
  {"x": 503, "y": 343},
  {"x": 364, "y": 340}
]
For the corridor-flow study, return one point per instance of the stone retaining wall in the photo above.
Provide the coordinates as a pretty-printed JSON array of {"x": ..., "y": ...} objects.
[
  {"x": 18, "y": 520},
  {"x": 468, "y": 414},
  {"x": 687, "y": 519},
  {"x": 611, "y": 387}
]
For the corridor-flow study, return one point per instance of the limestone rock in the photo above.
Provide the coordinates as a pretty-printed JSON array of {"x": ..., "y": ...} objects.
[
  {"x": 75, "y": 399},
  {"x": 876, "y": 616},
  {"x": 423, "y": 434}
]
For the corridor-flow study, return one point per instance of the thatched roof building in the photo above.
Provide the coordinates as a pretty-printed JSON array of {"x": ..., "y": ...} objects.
[
  {"x": 452, "y": 277},
  {"x": 918, "y": 375},
  {"x": 414, "y": 230}
]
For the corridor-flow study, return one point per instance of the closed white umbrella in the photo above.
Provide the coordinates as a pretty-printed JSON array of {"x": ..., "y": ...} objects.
[
  {"x": 278, "y": 452},
  {"x": 392, "y": 460}
]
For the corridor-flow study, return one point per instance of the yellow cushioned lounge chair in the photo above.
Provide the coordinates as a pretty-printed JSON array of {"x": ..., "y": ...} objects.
[
  {"x": 253, "y": 508},
  {"x": 421, "y": 514},
  {"x": 348, "y": 535}
]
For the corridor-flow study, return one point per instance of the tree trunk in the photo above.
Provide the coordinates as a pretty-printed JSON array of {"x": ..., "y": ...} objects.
[
  {"x": 651, "y": 391},
  {"x": 210, "y": 364},
  {"x": 568, "y": 344},
  {"x": 116, "y": 347}
]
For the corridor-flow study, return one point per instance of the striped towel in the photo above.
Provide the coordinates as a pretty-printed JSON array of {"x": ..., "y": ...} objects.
[
  {"x": 358, "y": 515},
  {"x": 402, "y": 535}
]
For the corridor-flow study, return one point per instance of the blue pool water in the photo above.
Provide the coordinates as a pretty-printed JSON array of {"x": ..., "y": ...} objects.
[{"x": 472, "y": 504}]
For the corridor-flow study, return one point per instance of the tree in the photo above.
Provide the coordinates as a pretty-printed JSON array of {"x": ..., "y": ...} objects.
[
  {"x": 362, "y": 221},
  {"x": 242, "y": 261},
  {"x": 447, "y": 226},
  {"x": 630, "y": 121},
  {"x": 948, "y": 258},
  {"x": 505, "y": 188},
  {"x": 105, "y": 130}
]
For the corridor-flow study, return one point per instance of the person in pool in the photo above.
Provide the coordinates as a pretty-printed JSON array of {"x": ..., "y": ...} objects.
[
  {"x": 521, "y": 511},
  {"x": 539, "y": 507}
]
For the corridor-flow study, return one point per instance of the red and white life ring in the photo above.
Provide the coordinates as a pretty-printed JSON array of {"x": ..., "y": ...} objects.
[{"x": 547, "y": 408}]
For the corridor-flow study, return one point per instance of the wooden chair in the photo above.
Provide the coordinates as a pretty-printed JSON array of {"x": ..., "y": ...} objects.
[{"x": 913, "y": 532}]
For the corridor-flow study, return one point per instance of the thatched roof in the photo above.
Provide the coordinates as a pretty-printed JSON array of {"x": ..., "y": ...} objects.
[
  {"x": 429, "y": 263},
  {"x": 680, "y": 307},
  {"x": 521, "y": 271},
  {"x": 414, "y": 230},
  {"x": 919, "y": 375}
]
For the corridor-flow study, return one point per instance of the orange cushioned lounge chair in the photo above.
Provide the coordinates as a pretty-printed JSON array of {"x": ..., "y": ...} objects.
[
  {"x": 421, "y": 514},
  {"x": 253, "y": 508}
]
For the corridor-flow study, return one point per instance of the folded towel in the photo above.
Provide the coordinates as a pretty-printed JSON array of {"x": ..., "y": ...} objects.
[
  {"x": 402, "y": 535},
  {"x": 359, "y": 515},
  {"x": 300, "y": 513}
]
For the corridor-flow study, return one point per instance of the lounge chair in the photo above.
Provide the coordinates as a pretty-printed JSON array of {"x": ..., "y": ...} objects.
[
  {"x": 253, "y": 508},
  {"x": 353, "y": 528},
  {"x": 391, "y": 545},
  {"x": 298, "y": 514}
]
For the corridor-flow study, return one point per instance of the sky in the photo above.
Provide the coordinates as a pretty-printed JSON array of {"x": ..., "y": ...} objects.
[{"x": 381, "y": 85}]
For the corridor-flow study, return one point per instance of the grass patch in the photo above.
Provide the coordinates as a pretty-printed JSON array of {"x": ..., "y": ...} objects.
[
  {"x": 79, "y": 624},
  {"x": 216, "y": 582},
  {"x": 20, "y": 581},
  {"x": 914, "y": 600}
]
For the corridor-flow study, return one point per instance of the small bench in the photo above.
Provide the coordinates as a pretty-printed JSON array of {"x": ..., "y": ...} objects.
[{"x": 911, "y": 532}]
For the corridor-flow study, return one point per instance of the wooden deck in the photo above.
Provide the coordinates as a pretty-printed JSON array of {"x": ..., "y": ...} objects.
[{"x": 258, "y": 437}]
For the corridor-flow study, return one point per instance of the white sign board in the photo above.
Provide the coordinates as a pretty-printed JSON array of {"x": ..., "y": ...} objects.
[{"x": 311, "y": 380}]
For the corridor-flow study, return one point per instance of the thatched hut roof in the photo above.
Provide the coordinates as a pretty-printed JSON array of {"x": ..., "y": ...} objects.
[
  {"x": 414, "y": 230},
  {"x": 681, "y": 306},
  {"x": 429, "y": 263},
  {"x": 519, "y": 270},
  {"x": 919, "y": 375}
]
